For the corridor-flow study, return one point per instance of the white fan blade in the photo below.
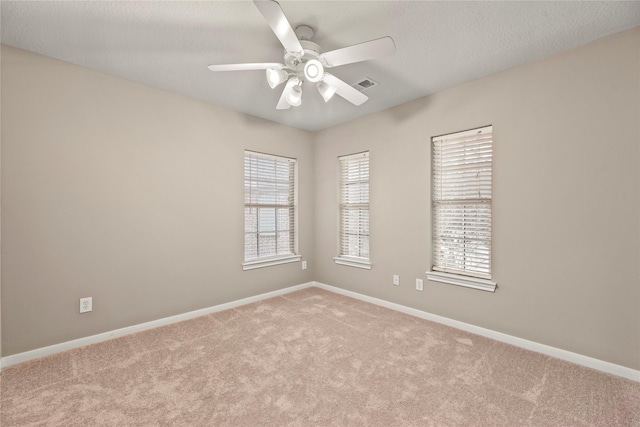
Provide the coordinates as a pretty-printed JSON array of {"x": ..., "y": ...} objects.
[
  {"x": 245, "y": 67},
  {"x": 349, "y": 93},
  {"x": 360, "y": 52},
  {"x": 282, "y": 103},
  {"x": 278, "y": 22}
]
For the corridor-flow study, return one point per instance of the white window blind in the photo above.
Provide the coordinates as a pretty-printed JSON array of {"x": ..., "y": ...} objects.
[
  {"x": 461, "y": 202},
  {"x": 269, "y": 206},
  {"x": 354, "y": 208}
]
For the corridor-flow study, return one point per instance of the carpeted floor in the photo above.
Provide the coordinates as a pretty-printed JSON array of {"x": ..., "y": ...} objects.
[{"x": 310, "y": 358}]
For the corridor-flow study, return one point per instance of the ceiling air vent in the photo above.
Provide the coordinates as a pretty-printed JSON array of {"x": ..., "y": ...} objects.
[{"x": 366, "y": 83}]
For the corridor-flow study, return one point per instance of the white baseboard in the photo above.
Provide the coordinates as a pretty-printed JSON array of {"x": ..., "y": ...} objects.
[
  {"x": 81, "y": 342},
  {"x": 558, "y": 353}
]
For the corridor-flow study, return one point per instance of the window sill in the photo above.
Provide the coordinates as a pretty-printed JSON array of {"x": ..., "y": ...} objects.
[
  {"x": 458, "y": 280},
  {"x": 353, "y": 262},
  {"x": 267, "y": 262}
]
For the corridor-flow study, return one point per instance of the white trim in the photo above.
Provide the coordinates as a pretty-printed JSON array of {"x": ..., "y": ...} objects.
[
  {"x": 458, "y": 280},
  {"x": 558, "y": 353},
  {"x": 353, "y": 262},
  {"x": 464, "y": 133},
  {"x": 250, "y": 265},
  {"x": 351, "y": 156},
  {"x": 272, "y": 156},
  {"x": 81, "y": 342},
  {"x": 579, "y": 359}
]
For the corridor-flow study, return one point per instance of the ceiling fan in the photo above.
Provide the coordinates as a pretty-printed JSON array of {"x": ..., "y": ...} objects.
[{"x": 304, "y": 60}]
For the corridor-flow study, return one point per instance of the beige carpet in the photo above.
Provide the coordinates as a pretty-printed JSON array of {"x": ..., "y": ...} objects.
[{"x": 310, "y": 358}]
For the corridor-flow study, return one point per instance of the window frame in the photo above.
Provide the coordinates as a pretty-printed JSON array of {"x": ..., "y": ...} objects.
[
  {"x": 272, "y": 259},
  {"x": 344, "y": 258},
  {"x": 440, "y": 270}
]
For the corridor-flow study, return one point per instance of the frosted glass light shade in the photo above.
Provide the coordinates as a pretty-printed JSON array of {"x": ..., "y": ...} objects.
[
  {"x": 294, "y": 98},
  {"x": 326, "y": 90},
  {"x": 276, "y": 77}
]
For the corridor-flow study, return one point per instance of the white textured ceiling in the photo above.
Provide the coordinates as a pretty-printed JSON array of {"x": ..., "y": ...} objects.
[{"x": 169, "y": 44}]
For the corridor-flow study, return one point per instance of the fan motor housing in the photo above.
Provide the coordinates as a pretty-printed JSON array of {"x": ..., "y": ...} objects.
[{"x": 311, "y": 51}]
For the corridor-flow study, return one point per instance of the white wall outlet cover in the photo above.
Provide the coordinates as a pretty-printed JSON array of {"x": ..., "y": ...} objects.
[
  {"x": 419, "y": 285},
  {"x": 304, "y": 265},
  {"x": 396, "y": 279},
  {"x": 86, "y": 304}
]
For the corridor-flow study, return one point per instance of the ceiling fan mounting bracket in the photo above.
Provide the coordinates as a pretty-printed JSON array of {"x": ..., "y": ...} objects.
[{"x": 304, "y": 32}]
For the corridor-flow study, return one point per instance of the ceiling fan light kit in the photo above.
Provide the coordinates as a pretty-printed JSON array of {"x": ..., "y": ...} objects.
[{"x": 304, "y": 60}]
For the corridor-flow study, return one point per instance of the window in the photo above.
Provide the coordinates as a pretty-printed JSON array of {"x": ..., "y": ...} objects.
[
  {"x": 269, "y": 210},
  {"x": 461, "y": 208},
  {"x": 354, "y": 211}
]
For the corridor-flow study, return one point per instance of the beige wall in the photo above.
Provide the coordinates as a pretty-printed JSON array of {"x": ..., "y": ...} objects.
[
  {"x": 566, "y": 200},
  {"x": 128, "y": 194}
]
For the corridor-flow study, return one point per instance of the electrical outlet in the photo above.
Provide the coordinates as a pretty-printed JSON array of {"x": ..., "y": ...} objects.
[
  {"x": 419, "y": 285},
  {"x": 304, "y": 265},
  {"x": 86, "y": 304},
  {"x": 396, "y": 280}
]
